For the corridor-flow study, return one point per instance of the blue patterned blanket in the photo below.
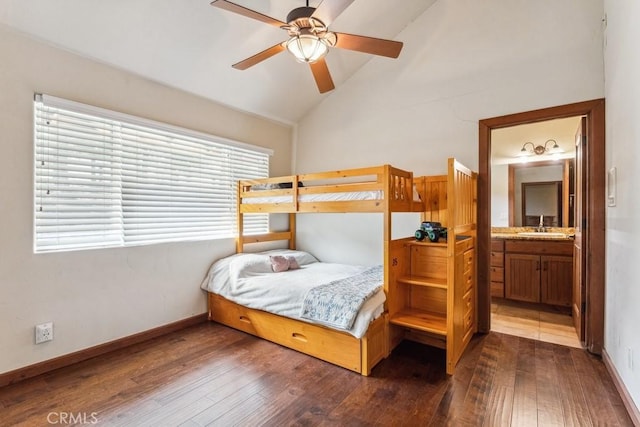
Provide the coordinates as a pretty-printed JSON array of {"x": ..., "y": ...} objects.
[{"x": 337, "y": 303}]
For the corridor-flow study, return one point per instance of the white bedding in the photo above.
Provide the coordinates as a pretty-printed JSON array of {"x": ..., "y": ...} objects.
[
  {"x": 319, "y": 197},
  {"x": 346, "y": 196},
  {"x": 246, "y": 279}
]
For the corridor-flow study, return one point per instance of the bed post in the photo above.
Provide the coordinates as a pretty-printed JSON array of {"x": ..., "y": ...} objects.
[
  {"x": 239, "y": 220},
  {"x": 386, "y": 236},
  {"x": 292, "y": 230},
  {"x": 388, "y": 262}
]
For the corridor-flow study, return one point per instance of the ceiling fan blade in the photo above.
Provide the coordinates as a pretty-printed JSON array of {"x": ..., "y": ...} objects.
[
  {"x": 372, "y": 45},
  {"x": 322, "y": 76},
  {"x": 329, "y": 10},
  {"x": 240, "y": 10},
  {"x": 259, "y": 57}
]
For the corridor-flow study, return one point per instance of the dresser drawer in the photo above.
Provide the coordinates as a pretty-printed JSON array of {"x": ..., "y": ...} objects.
[
  {"x": 497, "y": 259},
  {"x": 468, "y": 280},
  {"x": 497, "y": 245},
  {"x": 497, "y": 289},
  {"x": 539, "y": 247},
  {"x": 468, "y": 260},
  {"x": 496, "y": 274},
  {"x": 468, "y": 310}
]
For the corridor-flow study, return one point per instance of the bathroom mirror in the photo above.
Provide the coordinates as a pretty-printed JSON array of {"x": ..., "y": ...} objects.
[
  {"x": 542, "y": 203},
  {"x": 545, "y": 188}
]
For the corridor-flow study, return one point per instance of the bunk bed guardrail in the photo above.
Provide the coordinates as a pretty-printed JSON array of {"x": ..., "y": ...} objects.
[{"x": 372, "y": 189}]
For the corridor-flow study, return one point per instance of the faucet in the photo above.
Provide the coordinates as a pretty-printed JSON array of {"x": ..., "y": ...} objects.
[{"x": 541, "y": 228}]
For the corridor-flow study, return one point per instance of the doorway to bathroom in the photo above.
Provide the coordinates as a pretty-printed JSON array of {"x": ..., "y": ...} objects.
[{"x": 590, "y": 176}]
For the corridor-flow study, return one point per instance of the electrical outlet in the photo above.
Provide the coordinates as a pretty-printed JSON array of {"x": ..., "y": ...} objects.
[
  {"x": 630, "y": 358},
  {"x": 44, "y": 332}
]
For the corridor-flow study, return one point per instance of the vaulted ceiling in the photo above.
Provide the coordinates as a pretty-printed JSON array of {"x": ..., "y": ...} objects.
[{"x": 190, "y": 45}]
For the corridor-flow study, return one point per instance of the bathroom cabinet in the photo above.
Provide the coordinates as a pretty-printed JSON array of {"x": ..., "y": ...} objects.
[{"x": 539, "y": 271}]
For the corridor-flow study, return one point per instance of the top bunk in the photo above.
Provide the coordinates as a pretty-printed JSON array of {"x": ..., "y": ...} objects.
[{"x": 373, "y": 189}]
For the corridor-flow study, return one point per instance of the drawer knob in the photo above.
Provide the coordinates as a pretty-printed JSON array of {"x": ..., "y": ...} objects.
[{"x": 245, "y": 319}]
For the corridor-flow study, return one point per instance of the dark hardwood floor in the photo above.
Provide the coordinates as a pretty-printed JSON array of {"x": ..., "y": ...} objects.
[{"x": 212, "y": 375}]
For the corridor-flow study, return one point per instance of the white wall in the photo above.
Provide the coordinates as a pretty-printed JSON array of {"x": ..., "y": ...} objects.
[
  {"x": 500, "y": 195},
  {"x": 98, "y": 295},
  {"x": 463, "y": 61},
  {"x": 349, "y": 237},
  {"x": 622, "y": 68}
]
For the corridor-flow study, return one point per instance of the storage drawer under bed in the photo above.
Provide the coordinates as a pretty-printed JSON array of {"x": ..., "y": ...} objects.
[{"x": 333, "y": 346}]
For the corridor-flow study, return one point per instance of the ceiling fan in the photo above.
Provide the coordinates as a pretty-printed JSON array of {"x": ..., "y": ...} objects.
[{"x": 310, "y": 38}]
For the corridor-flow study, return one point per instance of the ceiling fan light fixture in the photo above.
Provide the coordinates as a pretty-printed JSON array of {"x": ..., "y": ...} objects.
[
  {"x": 310, "y": 39},
  {"x": 307, "y": 48}
]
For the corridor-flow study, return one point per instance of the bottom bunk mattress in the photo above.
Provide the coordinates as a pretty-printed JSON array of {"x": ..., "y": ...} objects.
[{"x": 343, "y": 297}]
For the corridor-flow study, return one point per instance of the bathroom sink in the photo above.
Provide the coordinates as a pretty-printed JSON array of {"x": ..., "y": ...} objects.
[{"x": 541, "y": 234}]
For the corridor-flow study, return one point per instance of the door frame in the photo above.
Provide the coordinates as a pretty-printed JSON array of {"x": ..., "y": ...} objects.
[{"x": 594, "y": 243}]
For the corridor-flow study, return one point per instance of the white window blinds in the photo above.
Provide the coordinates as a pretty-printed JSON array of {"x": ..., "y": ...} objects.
[{"x": 106, "y": 179}]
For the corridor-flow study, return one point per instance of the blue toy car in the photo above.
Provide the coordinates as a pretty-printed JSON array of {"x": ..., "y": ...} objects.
[{"x": 431, "y": 230}]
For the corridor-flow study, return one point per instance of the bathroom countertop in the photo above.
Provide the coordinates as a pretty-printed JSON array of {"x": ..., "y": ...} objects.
[{"x": 532, "y": 234}]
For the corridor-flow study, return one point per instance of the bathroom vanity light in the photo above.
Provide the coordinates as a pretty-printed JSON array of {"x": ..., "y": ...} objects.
[{"x": 529, "y": 149}]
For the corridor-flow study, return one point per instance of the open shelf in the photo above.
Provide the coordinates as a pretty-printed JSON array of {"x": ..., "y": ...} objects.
[
  {"x": 421, "y": 320},
  {"x": 427, "y": 242},
  {"x": 430, "y": 282}
]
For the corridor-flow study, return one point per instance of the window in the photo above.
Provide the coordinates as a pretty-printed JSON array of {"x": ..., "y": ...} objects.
[{"x": 105, "y": 179}]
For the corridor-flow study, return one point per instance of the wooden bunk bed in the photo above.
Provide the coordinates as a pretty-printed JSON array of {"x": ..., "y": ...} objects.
[
  {"x": 386, "y": 190},
  {"x": 382, "y": 189}
]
